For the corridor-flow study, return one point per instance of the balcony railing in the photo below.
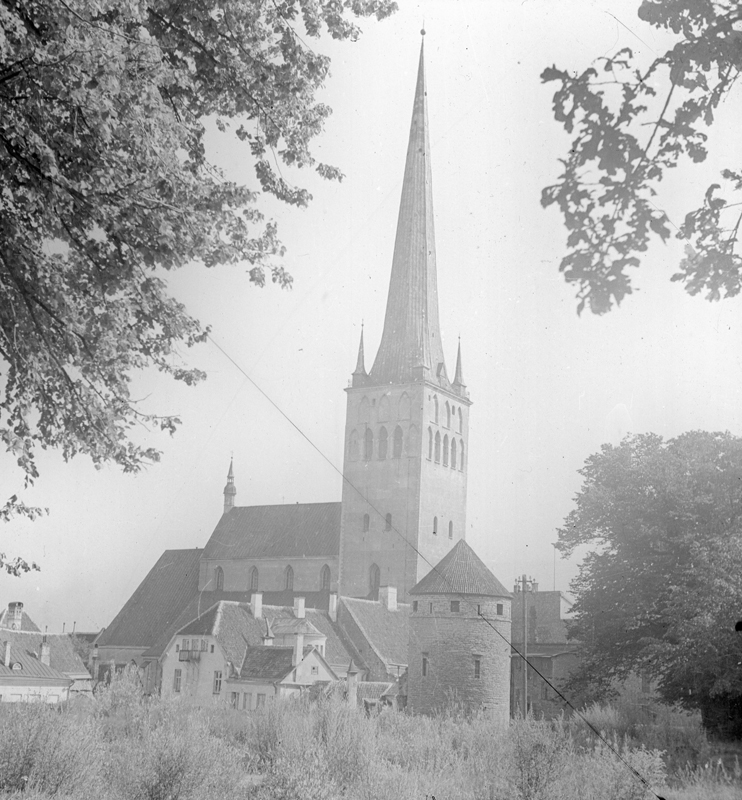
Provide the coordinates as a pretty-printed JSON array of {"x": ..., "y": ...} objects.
[{"x": 189, "y": 655}]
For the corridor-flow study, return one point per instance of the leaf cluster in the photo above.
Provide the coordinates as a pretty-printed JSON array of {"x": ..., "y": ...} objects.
[
  {"x": 105, "y": 185},
  {"x": 660, "y": 589},
  {"x": 629, "y": 127}
]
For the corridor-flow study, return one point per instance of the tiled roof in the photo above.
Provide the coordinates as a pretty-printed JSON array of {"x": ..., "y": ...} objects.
[
  {"x": 157, "y": 602},
  {"x": 27, "y": 624},
  {"x": 386, "y": 631},
  {"x": 25, "y": 647},
  {"x": 266, "y": 663},
  {"x": 292, "y": 625},
  {"x": 283, "y": 531},
  {"x": 337, "y": 650},
  {"x": 373, "y": 690},
  {"x": 461, "y": 571}
]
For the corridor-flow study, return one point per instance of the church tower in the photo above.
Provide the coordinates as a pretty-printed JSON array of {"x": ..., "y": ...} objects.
[{"x": 406, "y": 429}]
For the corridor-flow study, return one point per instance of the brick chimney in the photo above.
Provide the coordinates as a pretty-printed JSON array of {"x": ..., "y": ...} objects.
[
  {"x": 333, "y": 608},
  {"x": 298, "y": 654},
  {"x": 299, "y": 607},
  {"x": 256, "y": 604},
  {"x": 45, "y": 655},
  {"x": 388, "y": 597},
  {"x": 6, "y": 655}
]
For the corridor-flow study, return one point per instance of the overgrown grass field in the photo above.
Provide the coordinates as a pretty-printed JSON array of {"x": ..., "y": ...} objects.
[{"x": 127, "y": 746}]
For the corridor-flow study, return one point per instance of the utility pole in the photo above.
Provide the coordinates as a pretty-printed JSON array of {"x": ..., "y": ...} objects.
[{"x": 524, "y": 585}]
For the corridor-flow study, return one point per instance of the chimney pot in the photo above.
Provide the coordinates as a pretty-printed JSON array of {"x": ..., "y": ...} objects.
[
  {"x": 388, "y": 597},
  {"x": 299, "y": 607},
  {"x": 45, "y": 655},
  {"x": 256, "y": 604},
  {"x": 6, "y": 655},
  {"x": 333, "y": 609}
]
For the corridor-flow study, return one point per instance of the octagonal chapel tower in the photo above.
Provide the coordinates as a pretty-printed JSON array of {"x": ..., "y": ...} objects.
[{"x": 406, "y": 429}]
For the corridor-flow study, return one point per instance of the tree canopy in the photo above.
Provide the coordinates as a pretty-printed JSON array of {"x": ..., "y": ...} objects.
[
  {"x": 660, "y": 590},
  {"x": 105, "y": 184},
  {"x": 630, "y": 126}
]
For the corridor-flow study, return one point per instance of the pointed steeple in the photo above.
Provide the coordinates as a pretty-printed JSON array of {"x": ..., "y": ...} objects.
[
  {"x": 359, "y": 373},
  {"x": 410, "y": 346},
  {"x": 229, "y": 490},
  {"x": 458, "y": 378}
]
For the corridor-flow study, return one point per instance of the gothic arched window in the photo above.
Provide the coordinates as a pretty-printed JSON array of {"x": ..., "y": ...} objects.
[
  {"x": 412, "y": 441},
  {"x": 430, "y": 443},
  {"x": 448, "y": 415},
  {"x": 289, "y": 579},
  {"x": 364, "y": 410},
  {"x": 450, "y": 529},
  {"x": 453, "y": 453},
  {"x": 461, "y": 460},
  {"x": 435, "y": 526},
  {"x": 219, "y": 579},
  {"x": 437, "y": 448},
  {"x": 366, "y": 522},
  {"x": 445, "y": 450},
  {"x": 404, "y": 406},
  {"x": 254, "y": 579},
  {"x": 324, "y": 579},
  {"x": 368, "y": 445},
  {"x": 397, "y": 451},
  {"x": 384, "y": 409},
  {"x": 435, "y": 408},
  {"x": 383, "y": 438},
  {"x": 374, "y": 580},
  {"x": 461, "y": 422},
  {"x": 353, "y": 446}
]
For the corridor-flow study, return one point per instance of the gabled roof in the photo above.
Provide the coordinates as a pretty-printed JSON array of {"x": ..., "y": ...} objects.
[
  {"x": 25, "y": 649},
  {"x": 282, "y": 531},
  {"x": 373, "y": 690},
  {"x": 267, "y": 663},
  {"x": 27, "y": 624},
  {"x": 157, "y": 602},
  {"x": 291, "y": 625},
  {"x": 461, "y": 571},
  {"x": 387, "y": 632}
]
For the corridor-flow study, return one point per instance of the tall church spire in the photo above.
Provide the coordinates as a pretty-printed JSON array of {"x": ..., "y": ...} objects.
[
  {"x": 359, "y": 373},
  {"x": 410, "y": 346},
  {"x": 458, "y": 379},
  {"x": 230, "y": 490}
]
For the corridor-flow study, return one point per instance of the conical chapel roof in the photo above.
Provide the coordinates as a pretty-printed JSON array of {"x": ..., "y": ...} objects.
[
  {"x": 410, "y": 346},
  {"x": 461, "y": 571}
]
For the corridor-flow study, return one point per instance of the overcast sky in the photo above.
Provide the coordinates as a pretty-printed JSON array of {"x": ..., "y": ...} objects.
[{"x": 548, "y": 387}]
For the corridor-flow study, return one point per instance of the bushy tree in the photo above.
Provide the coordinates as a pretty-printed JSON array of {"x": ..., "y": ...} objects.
[
  {"x": 105, "y": 184},
  {"x": 660, "y": 590},
  {"x": 631, "y": 125}
]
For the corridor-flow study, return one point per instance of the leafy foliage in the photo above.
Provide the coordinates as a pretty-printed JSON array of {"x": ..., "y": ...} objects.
[
  {"x": 661, "y": 588},
  {"x": 105, "y": 185},
  {"x": 630, "y": 126}
]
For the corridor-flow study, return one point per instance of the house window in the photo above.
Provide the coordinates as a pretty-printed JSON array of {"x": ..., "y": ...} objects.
[
  {"x": 177, "y": 648},
  {"x": 366, "y": 522},
  {"x": 260, "y": 701},
  {"x": 414, "y": 605},
  {"x": 388, "y": 525},
  {"x": 234, "y": 700},
  {"x": 425, "y": 665},
  {"x": 383, "y": 440},
  {"x": 247, "y": 701},
  {"x": 212, "y": 648},
  {"x": 435, "y": 526},
  {"x": 219, "y": 579},
  {"x": 477, "y": 666},
  {"x": 450, "y": 529},
  {"x": 254, "y": 579},
  {"x": 397, "y": 451},
  {"x": 204, "y": 645},
  {"x": 217, "y": 687},
  {"x": 368, "y": 445},
  {"x": 186, "y": 644},
  {"x": 314, "y": 670},
  {"x": 177, "y": 678},
  {"x": 455, "y": 606},
  {"x": 324, "y": 579},
  {"x": 499, "y": 609},
  {"x": 289, "y": 579}
]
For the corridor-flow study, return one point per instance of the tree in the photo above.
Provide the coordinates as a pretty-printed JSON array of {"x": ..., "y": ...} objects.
[
  {"x": 661, "y": 588},
  {"x": 105, "y": 185},
  {"x": 627, "y": 134}
]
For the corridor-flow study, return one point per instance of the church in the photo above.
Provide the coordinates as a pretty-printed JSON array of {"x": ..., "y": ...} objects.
[{"x": 359, "y": 563}]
